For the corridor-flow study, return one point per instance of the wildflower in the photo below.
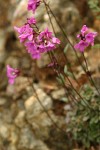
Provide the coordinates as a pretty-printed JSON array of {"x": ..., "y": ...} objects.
[
  {"x": 41, "y": 43},
  {"x": 25, "y": 32},
  {"x": 33, "y": 49},
  {"x": 12, "y": 74},
  {"x": 81, "y": 46},
  {"x": 36, "y": 42},
  {"x": 33, "y": 4},
  {"x": 84, "y": 29},
  {"x": 31, "y": 20},
  {"x": 47, "y": 41},
  {"x": 90, "y": 37},
  {"x": 87, "y": 38}
]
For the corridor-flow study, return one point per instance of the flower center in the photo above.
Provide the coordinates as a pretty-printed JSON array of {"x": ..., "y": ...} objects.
[
  {"x": 82, "y": 37},
  {"x": 13, "y": 73}
]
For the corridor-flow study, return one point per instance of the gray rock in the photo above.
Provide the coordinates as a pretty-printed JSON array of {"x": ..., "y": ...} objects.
[
  {"x": 4, "y": 131},
  {"x": 2, "y": 40},
  {"x": 14, "y": 135},
  {"x": 20, "y": 119},
  {"x": 6, "y": 116},
  {"x": 13, "y": 61},
  {"x": 29, "y": 142},
  {"x": 2, "y": 101},
  {"x": 12, "y": 147},
  {"x": 33, "y": 107},
  {"x": 58, "y": 94}
]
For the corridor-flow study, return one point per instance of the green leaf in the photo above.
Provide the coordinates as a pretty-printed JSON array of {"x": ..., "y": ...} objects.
[
  {"x": 59, "y": 80},
  {"x": 64, "y": 99},
  {"x": 83, "y": 103},
  {"x": 66, "y": 48},
  {"x": 69, "y": 74},
  {"x": 62, "y": 77},
  {"x": 65, "y": 69}
]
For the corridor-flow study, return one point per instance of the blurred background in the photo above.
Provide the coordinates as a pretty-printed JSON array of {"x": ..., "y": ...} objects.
[{"x": 23, "y": 123}]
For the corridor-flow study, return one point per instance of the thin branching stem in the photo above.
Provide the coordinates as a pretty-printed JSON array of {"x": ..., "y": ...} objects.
[
  {"x": 55, "y": 35},
  {"x": 58, "y": 73},
  {"x": 73, "y": 98},
  {"x": 89, "y": 74},
  {"x": 37, "y": 97},
  {"x": 91, "y": 81},
  {"x": 55, "y": 69},
  {"x": 71, "y": 69},
  {"x": 85, "y": 101}
]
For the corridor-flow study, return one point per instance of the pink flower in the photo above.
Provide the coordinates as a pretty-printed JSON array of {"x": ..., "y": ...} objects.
[
  {"x": 87, "y": 38},
  {"x": 25, "y": 32},
  {"x": 41, "y": 43},
  {"x": 21, "y": 29},
  {"x": 36, "y": 42},
  {"x": 33, "y": 4},
  {"x": 33, "y": 49},
  {"x": 31, "y": 20},
  {"x": 81, "y": 46},
  {"x": 30, "y": 46},
  {"x": 55, "y": 40},
  {"x": 84, "y": 29},
  {"x": 46, "y": 41},
  {"x": 12, "y": 74},
  {"x": 36, "y": 55},
  {"x": 45, "y": 34},
  {"x": 90, "y": 37}
]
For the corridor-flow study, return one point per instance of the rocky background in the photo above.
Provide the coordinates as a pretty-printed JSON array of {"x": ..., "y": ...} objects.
[{"x": 23, "y": 123}]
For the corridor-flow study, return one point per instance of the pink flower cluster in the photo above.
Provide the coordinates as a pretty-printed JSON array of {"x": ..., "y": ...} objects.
[
  {"x": 36, "y": 42},
  {"x": 41, "y": 43},
  {"x": 87, "y": 38}
]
